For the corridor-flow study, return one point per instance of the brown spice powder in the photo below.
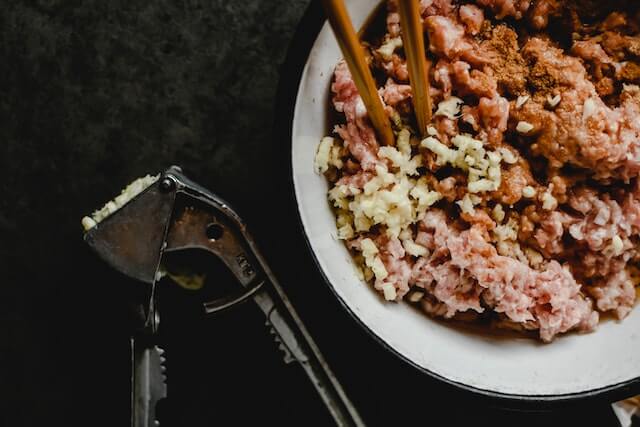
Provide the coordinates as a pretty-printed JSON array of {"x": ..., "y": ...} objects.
[{"x": 510, "y": 69}]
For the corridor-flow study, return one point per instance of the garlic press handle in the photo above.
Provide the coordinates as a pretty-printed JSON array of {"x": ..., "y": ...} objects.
[
  {"x": 195, "y": 226},
  {"x": 201, "y": 220}
]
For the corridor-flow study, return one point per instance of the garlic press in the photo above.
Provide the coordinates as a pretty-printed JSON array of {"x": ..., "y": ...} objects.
[{"x": 175, "y": 214}]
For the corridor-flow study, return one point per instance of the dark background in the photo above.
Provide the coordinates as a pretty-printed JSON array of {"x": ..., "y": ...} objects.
[{"x": 96, "y": 93}]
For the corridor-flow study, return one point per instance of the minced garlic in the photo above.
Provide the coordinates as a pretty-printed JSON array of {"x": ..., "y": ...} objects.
[
  {"x": 416, "y": 296},
  {"x": 535, "y": 258},
  {"x": 346, "y": 232},
  {"x": 521, "y": 101},
  {"x": 377, "y": 266},
  {"x": 369, "y": 249},
  {"x": 450, "y": 108},
  {"x": 466, "y": 205},
  {"x": 528, "y": 192},
  {"x": 508, "y": 231},
  {"x": 444, "y": 154},
  {"x": 322, "y": 155},
  {"x": 389, "y": 291},
  {"x": 553, "y": 102},
  {"x": 338, "y": 195},
  {"x": 368, "y": 274},
  {"x": 413, "y": 248},
  {"x": 129, "y": 192},
  {"x": 424, "y": 195},
  {"x": 88, "y": 223},
  {"x": 406, "y": 234},
  {"x": 372, "y": 260},
  {"x": 480, "y": 186},
  {"x": 468, "y": 154},
  {"x": 404, "y": 142},
  {"x": 617, "y": 245},
  {"x": 391, "y": 207},
  {"x": 508, "y": 156},
  {"x": 498, "y": 213},
  {"x": 549, "y": 202},
  {"x": 388, "y": 47},
  {"x": 524, "y": 127},
  {"x": 408, "y": 165},
  {"x": 475, "y": 199}
]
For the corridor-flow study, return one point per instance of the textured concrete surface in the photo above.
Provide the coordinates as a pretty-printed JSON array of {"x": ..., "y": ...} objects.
[{"x": 95, "y": 93}]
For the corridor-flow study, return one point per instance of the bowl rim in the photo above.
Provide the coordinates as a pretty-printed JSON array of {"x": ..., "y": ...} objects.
[{"x": 289, "y": 80}]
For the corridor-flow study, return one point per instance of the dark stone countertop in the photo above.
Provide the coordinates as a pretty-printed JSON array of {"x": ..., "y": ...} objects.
[{"x": 96, "y": 93}]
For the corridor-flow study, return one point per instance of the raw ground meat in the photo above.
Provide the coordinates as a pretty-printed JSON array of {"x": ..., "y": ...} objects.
[
  {"x": 554, "y": 244},
  {"x": 358, "y": 135},
  {"x": 472, "y": 270}
]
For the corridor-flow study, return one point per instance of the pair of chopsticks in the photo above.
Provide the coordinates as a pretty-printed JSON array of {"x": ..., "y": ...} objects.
[{"x": 413, "y": 40}]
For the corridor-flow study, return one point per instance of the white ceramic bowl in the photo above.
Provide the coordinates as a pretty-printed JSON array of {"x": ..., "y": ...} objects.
[{"x": 572, "y": 366}]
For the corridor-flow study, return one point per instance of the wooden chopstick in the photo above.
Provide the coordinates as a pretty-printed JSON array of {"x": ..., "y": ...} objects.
[
  {"x": 413, "y": 41},
  {"x": 354, "y": 56}
]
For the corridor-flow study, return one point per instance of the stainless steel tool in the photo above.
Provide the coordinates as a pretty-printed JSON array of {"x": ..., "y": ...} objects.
[{"x": 174, "y": 214}]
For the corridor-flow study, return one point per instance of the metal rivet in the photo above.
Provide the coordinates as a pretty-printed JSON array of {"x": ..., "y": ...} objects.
[{"x": 167, "y": 184}]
